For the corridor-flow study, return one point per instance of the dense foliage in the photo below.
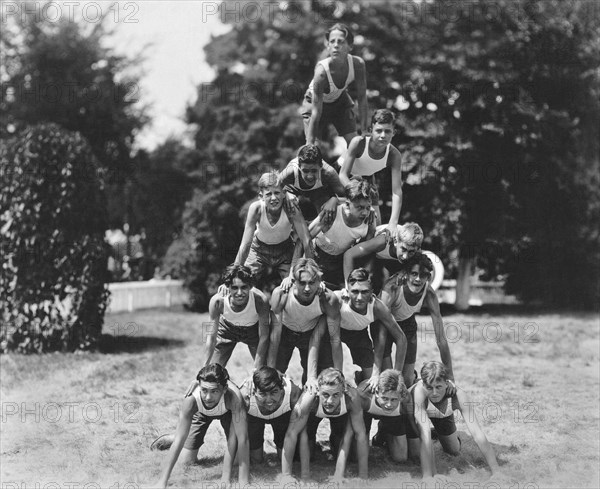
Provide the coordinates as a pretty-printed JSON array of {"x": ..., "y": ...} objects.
[
  {"x": 498, "y": 116},
  {"x": 52, "y": 240}
]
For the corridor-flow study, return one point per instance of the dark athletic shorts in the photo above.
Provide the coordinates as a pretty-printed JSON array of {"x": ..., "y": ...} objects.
[{"x": 339, "y": 113}]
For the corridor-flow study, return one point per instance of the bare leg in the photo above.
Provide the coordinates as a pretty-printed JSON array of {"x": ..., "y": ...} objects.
[
  {"x": 397, "y": 447},
  {"x": 189, "y": 456}
]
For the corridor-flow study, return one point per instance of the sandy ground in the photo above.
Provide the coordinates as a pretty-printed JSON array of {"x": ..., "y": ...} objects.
[{"x": 87, "y": 420}]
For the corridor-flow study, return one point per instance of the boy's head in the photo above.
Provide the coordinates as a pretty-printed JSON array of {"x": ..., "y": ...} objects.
[
  {"x": 269, "y": 387},
  {"x": 332, "y": 385},
  {"x": 270, "y": 190},
  {"x": 342, "y": 28},
  {"x": 360, "y": 289},
  {"x": 307, "y": 277},
  {"x": 419, "y": 270},
  {"x": 310, "y": 162},
  {"x": 239, "y": 280},
  {"x": 435, "y": 380},
  {"x": 359, "y": 198},
  {"x": 409, "y": 241},
  {"x": 212, "y": 383},
  {"x": 390, "y": 389},
  {"x": 382, "y": 126}
]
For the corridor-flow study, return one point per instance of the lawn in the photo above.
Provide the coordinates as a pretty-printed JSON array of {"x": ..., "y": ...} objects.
[{"x": 87, "y": 420}]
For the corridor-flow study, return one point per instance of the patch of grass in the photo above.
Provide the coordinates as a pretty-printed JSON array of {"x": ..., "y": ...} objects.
[{"x": 90, "y": 418}]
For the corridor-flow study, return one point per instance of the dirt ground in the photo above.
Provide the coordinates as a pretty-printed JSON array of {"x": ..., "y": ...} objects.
[{"x": 87, "y": 420}]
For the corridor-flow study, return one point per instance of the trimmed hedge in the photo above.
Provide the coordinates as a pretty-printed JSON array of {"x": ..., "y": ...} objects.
[{"x": 52, "y": 222}]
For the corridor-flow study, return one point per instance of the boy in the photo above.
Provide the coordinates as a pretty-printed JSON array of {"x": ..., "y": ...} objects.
[
  {"x": 325, "y": 102},
  {"x": 270, "y": 398},
  {"x": 313, "y": 183},
  {"x": 342, "y": 404},
  {"x": 391, "y": 404},
  {"x": 239, "y": 316},
  {"x": 267, "y": 241},
  {"x": 212, "y": 398},
  {"x": 358, "y": 309},
  {"x": 404, "y": 294},
  {"x": 432, "y": 402},
  {"x": 367, "y": 156},
  {"x": 353, "y": 222},
  {"x": 308, "y": 319},
  {"x": 390, "y": 252}
]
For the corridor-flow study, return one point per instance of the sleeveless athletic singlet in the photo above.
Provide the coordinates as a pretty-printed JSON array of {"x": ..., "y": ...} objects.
[
  {"x": 276, "y": 234},
  {"x": 282, "y": 409},
  {"x": 400, "y": 308},
  {"x": 218, "y": 410},
  {"x": 334, "y": 91},
  {"x": 343, "y": 410},
  {"x": 352, "y": 320},
  {"x": 364, "y": 165},
  {"x": 296, "y": 167},
  {"x": 247, "y": 317},
  {"x": 340, "y": 237},
  {"x": 298, "y": 317}
]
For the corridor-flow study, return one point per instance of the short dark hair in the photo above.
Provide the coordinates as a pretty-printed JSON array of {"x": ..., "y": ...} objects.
[
  {"x": 213, "y": 372},
  {"x": 242, "y": 272},
  {"x": 359, "y": 275},
  {"x": 310, "y": 154},
  {"x": 266, "y": 379},
  {"x": 383, "y": 116},
  {"x": 341, "y": 27},
  {"x": 419, "y": 258}
]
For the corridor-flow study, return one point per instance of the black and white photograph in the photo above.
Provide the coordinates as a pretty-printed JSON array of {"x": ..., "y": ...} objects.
[{"x": 300, "y": 244}]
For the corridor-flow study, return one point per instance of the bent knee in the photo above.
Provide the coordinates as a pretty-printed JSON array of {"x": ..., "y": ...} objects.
[
  {"x": 454, "y": 451},
  {"x": 399, "y": 457}
]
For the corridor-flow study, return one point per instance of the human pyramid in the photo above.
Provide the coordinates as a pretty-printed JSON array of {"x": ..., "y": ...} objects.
[{"x": 344, "y": 277}]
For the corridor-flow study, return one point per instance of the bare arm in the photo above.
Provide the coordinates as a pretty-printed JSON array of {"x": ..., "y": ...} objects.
[
  {"x": 264, "y": 319},
  {"x": 384, "y": 315},
  {"x": 431, "y": 301},
  {"x": 299, "y": 225},
  {"x": 319, "y": 81},
  {"x": 362, "y": 249},
  {"x": 331, "y": 305},
  {"x": 349, "y": 157},
  {"x": 467, "y": 410},
  {"x": 240, "y": 427},
  {"x": 278, "y": 299},
  {"x": 395, "y": 161},
  {"x": 251, "y": 220},
  {"x": 422, "y": 420},
  {"x": 215, "y": 310},
  {"x": 313, "y": 349},
  {"x": 188, "y": 410},
  {"x": 298, "y": 421},
  {"x": 360, "y": 433},
  {"x": 361, "y": 92}
]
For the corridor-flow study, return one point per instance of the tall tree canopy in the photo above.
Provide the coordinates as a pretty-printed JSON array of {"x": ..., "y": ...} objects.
[{"x": 497, "y": 106}]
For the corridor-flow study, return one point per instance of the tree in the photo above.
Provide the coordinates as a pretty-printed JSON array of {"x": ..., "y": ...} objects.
[
  {"x": 487, "y": 133},
  {"x": 53, "y": 250}
]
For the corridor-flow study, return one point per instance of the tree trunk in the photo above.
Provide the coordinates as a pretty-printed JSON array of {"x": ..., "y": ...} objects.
[{"x": 463, "y": 282}]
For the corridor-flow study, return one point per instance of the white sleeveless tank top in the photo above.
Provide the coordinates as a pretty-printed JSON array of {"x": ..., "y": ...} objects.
[
  {"x": 364, "y": 165},
  {"x": 400, "y": 308},
  {"x": 377, "y": 411},
  {"x": 322, "y": 414},
  {"x": 276, "y": 234},
  {"x": 340, "y": 237},
  {"x": 218, "y": 410},
  {"x": 352, "y": 320},
  {"x": 298, "y": 317},
  {"x": 285, "y": 406},
  {"x": 296, "y": 167},
  {"x": 334, "y": 91},
  {"x": 432, "y": 410},
  {"x": 247, "y": 317}
]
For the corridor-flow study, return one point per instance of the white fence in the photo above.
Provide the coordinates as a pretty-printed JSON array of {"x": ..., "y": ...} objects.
[
  {"x": 481, "y": 293},
  {"x": 130, "y": 296}
]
